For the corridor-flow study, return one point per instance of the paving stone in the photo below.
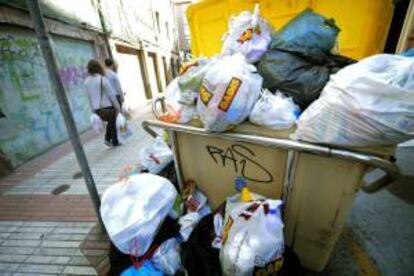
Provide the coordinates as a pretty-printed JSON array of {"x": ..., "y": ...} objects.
[
  {"x": 79, "y": 260},
  {"x": 34, "y": 230},
  {"x": 76, "y": 224},
  {"x": 9, "y": 258},
  {"x": 16, "y": 250},
  {"x": 71, "y": 230},
  {"x": 10, "y": 223},
  {"x": 8, "y": 267},
  {"x": 63, "y": 244},
  {"x": 26, "y": 236},
  {"x": 7, "y": 229},
  {"x": 41, "y": 224},
  {"x": 57, "y": 252},
  {"x": 58, "y": 260},
  {"x": 65, "y": 237},
  {"x": 79, "y": 270},
  {"x": 35, "y": 268},
  {"x": 23, "y": 243}
]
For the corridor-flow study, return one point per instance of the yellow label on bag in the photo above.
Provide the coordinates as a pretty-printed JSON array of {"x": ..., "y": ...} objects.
[
  {"x": 205, "y": 95},
  {"x": 226, "y": 229},
  {"x": 229, "y": 94}
]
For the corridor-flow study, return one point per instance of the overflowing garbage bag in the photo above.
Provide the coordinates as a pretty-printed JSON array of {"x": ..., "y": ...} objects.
[
  {"x": 229, "y": 90},
  {"x": 300, "y": 63},
  {"x": 132, "y": 211},
  {"x": 253, "y": 238},
  {"x": 248, "y": 34},
  {"x": 156, "y": 156},
  {"x": 274, "y": 111},
  {"x": 368, "y": 103}
]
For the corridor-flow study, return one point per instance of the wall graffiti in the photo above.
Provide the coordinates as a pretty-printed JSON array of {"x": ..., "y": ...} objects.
[
  {"x": 33, "y": 120},
  {"x": 242, "y": 160}
]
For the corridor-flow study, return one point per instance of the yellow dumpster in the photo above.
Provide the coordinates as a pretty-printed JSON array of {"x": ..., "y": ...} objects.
[
  {"x": 317, "y": 183},
  {"x": 364, "y": 23}
]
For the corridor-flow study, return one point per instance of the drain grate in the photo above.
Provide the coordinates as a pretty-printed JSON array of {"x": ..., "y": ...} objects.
[
  {"x": 60, "y": 189},
  {"x": 77, "y": 175}
]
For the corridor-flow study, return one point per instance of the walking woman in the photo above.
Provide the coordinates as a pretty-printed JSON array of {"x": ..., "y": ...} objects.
[{"x": 103, "y": 100}]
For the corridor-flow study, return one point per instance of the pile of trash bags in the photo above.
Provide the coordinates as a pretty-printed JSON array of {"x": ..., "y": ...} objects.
[
  {"x": 157, "y": 229},
  {"x": 294, "y": 77}
]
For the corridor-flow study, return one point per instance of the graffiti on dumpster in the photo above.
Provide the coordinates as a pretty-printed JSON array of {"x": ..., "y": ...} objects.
[{"x": 243, "y": 160}]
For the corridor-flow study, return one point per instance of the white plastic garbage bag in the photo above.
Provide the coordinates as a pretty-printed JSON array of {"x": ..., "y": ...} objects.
[
  {"x": 132, "y": 211},
  {"x": 97, "y": 124},
  {"x": 218, "y": 230},
  {"x": 122, "y": 127},
  {"x": 249, "y": 35},
  {"x": 367, "y": 103},
  {"x": 274, "y": 111},
  {"x": 252, "y": 237},
  {"x": 228, "y": 93},
  {"x": 167, "y": 257},
  {"x": 182, "y": 103},
  {"x": 156, "y": 156},
  {"x": 187, "y": 224}
]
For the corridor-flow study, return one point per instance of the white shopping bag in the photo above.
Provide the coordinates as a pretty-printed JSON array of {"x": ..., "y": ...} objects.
[
  {"x": 252, "y": 237},
  {"x": 274, "y": 111},
  {"x": 97, "y": 123},
  {"x": 156, "y": 156},
  {"x": 229, "y": 90},
  {"x": 122, "y": 127}
]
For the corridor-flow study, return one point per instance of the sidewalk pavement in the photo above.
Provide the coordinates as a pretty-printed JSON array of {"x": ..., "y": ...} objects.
[{"x": 47, "y": 221}]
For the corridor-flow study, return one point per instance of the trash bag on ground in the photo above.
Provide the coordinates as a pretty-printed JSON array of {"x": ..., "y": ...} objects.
[
  {"x": 368, "y": 103},
  {"x": 122, "y": 127},
  {"x": 156, "y": 156},
  {"x": 147, "y": 269},
  {"x": 133, "y": 210},
  {"x": 308, "y": 29},
  {"x": 97, "y": 124},
  {"x": 198, "y": 255},
  {"x": 187, "y": 223},
  {"x": 299, "y": 72},
  {"x": 167, "y": 257},
  {"x": 229, "y": 90},
  {"x": 274, "y": 111},
  {"x": 248, "y": 34},
  {"x": 252, "y": 238}
]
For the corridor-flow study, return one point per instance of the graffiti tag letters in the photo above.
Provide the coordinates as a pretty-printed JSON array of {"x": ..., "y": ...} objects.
[{"x": 243, "y": 160}]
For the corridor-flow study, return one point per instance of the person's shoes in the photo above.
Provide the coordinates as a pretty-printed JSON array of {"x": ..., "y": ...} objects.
[
  {"x": 117, "y": 144},
  {"x": 109, "y": 144}
]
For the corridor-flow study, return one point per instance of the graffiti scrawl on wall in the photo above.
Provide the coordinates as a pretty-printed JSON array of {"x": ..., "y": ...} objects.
[{"x": 33, "y": 121}]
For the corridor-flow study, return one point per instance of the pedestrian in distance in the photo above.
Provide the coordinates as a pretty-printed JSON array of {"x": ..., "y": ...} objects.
[
  {"x": 111, "y": 75},
  {"x": 103, "y": 100}
]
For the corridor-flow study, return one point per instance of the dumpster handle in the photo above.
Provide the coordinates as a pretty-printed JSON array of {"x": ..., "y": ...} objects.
[{"x": 392, "y": 171}]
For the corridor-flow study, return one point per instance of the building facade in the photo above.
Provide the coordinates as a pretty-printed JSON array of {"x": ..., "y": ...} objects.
[{"x": 140, "y": 36}]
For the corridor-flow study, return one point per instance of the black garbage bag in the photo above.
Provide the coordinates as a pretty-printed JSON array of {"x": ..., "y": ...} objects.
[
  {"x": 307, "y": 29},
  {"x": 300, "y": 72},
  {"x": 198, "y": 256},
  {"x": 119, "y": 261}
]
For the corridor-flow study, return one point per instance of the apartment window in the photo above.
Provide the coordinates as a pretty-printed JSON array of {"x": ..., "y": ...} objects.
[
  {"x": 167, "y": 30},
  {"x": 157, "y": 18}
]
